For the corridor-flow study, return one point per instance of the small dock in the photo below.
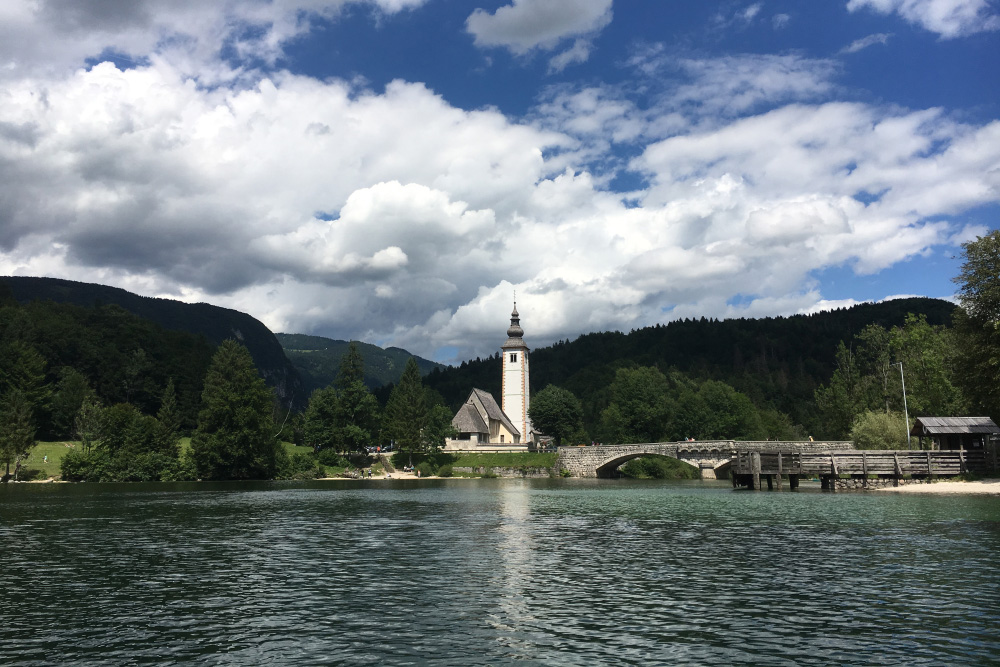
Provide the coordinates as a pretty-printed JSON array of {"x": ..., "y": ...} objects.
[{"x": 752, "y": 469}]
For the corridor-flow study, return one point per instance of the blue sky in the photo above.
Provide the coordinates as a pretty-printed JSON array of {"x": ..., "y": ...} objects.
[{"x": 394, "y": 170}]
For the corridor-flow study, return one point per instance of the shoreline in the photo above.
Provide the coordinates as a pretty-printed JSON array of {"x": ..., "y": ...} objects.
[{"x": 982, "y": 487}]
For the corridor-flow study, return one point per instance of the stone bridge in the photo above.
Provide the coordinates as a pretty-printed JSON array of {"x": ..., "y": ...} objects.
[{"x": 711, "y": 457}]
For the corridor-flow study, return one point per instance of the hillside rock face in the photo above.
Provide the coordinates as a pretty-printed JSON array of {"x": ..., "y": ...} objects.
[{"x": 216, "y": 324}]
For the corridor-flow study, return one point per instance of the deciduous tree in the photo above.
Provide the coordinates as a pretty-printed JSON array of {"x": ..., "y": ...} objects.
[
  {"x": 557, "y": 412},
  {"x": 977, "y": 324}
]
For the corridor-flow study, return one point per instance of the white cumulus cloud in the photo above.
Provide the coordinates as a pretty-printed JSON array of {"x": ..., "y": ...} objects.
[
  {"x": 525, "y": 25},
  {"x": 948, "y": 18}
]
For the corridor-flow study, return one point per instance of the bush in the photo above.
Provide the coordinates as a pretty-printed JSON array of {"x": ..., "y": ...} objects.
[
  {"x": 330, "y": 457},
  {"x": 300, "y": 466},
  {"x": 879, "y": 430},
  {"x": 446, "y": 471},
  {"x": 102, "y": 466}
]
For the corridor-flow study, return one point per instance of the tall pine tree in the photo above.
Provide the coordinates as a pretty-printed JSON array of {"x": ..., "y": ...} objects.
[
  {"x": 235, "y": 437},
  {"x": 356, "y": 418},
  {"x": 406, "y": 411}
]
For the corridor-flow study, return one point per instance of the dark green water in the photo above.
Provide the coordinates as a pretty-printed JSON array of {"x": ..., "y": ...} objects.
[{"x": 495, "y": 572}]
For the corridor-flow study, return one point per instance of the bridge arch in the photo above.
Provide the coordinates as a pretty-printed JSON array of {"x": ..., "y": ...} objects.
[{"x": 607, "y": 470}]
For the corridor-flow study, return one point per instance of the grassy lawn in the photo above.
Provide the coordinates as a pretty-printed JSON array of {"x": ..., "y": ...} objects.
[
  {"x": 507, "y": 460},
  {"x": 36, "y": 467}
]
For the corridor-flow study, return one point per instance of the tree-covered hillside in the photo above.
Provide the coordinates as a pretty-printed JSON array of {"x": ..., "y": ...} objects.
[
  {"x": 61, "y": 355},
  {"x": 777, "y": 362},
  {"x": 317, "y": 359},
  {"x": 214, "y": 323}
]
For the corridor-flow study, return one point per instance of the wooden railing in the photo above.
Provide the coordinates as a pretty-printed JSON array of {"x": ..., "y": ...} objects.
[{"x": 747, "y": 468}]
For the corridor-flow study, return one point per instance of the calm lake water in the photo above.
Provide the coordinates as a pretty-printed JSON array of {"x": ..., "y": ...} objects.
[{"x": 495, "y": 572}]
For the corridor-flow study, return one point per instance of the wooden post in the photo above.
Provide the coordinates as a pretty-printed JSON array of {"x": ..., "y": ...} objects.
[
  {"x": 899, "y": 473},
  {"x": 929, "y": 472},
  {"x": 779, "y": 471},
  {"x": 833, "y": 472},
  {"x": 755, "y": 468},
  {"x": 864, "y": 470},
  {"x": 961, "y": 461}
]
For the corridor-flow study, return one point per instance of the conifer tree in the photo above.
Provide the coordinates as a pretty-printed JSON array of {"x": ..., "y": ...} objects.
[
  {"x": 235, "y": 438},
  {"x": 356, "y": 417},
  {"x": 320, "y": 421},
  {"x": 406, "y": 411},
  {"x": 169, "y": 419},
  {"x": 17, "y": 429}
]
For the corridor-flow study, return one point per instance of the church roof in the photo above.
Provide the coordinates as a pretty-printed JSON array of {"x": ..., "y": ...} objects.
[
  {"x": 468, "y": 420},
  {"x": 493, "y": 410}
]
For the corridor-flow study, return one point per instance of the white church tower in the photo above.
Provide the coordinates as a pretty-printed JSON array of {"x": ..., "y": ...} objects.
[{"x": 514, "y": 382}]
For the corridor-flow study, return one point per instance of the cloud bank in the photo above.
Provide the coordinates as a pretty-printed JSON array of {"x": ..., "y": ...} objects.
[{"x": 393, "y": 216}]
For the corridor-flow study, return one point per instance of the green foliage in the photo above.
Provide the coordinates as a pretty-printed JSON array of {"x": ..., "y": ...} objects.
[
  {"x": 99, "y": 465},
  {"x": 406, "y": 412},
  {"x": 977, "y": 324},
  {"x": 301, "y": 466},
  {"x": 169, "y": 332},
  {"x": 557, "y": 412},
  {"x": 778, "y": 362},
  {"x": 318, "y": 359},
  {"x": 71, "y": 392},
  {"x": 17, "y": 428},
  {"x": 879, "y": 430},
  {"x": 235, "y": 437},
  {"x": 659, "y": 467},
  {"x": 330, "y": 457},
  {"x": 320, "y": 420},
  {"x": 506, "y": 460},
  {"x": 868, "y": 375},
  {"x": 446, "y": 471},
  {"x": 638, "y": 409},
  {"x": 438, "y": 428},
  {"x": 356, "y": 418}
]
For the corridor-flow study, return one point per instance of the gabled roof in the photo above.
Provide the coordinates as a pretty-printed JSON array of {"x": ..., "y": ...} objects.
[
  {"x": 944, "y": 425},
  {"x": 493, "y": 410},
  {"x": 468, "y": 420}
]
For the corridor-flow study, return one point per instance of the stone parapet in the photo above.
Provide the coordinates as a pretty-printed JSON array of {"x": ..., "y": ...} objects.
[{"x": 707, "y": 455}]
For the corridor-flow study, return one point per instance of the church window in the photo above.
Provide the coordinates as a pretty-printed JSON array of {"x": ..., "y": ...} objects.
[{"x": 513, "y": 357}]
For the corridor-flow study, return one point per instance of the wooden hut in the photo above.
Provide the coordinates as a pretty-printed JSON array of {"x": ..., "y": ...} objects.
[{"x": 954, "y": 432}]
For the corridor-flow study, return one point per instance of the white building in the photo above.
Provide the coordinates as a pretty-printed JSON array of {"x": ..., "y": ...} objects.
[{"x": 484, "y": 425}]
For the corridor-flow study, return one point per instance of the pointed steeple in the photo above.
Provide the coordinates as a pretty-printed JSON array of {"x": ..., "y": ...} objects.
[{"x": 515, "y": 330}]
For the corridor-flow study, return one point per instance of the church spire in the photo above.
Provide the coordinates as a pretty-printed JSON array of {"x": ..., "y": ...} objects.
[{"x": 515, "y": 330}]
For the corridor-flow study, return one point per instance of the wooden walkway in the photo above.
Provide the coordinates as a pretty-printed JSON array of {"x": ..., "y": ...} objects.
[{"x": 751, "y": 469}]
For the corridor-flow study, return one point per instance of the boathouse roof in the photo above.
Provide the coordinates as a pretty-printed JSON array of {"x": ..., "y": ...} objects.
[{"x": 949, "y": 425}]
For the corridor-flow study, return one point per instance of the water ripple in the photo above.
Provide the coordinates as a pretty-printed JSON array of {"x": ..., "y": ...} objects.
[{"x": 498, "y": 572}]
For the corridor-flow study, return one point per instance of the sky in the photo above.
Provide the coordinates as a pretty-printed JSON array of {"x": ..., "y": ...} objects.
[{"x": 396, "y": 171}]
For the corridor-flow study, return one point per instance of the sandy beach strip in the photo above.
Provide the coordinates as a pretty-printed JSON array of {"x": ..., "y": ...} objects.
[{"x": 979, "y": 487}]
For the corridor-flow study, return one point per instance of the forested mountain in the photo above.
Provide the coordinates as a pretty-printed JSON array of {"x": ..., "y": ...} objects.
[
  {"x": 60, "y": 355},
  {"x": 777, "y": 362},
  {"x": 317, "y": 359},
  {"x": 216, "y": 324}
]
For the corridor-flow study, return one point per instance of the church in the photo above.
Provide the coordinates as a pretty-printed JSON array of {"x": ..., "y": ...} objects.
[{"x": 483, "y": 425}]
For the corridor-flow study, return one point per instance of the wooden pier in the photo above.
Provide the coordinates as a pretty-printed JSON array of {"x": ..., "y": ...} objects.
[{"x": 752, "y": 469}]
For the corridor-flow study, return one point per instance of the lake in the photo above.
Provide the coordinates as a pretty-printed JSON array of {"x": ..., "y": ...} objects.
[{"x": 495, "y": 572}]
